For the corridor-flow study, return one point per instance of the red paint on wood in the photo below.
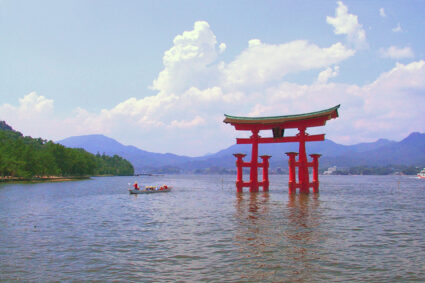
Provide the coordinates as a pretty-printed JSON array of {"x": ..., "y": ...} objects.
[{"x": 300, "y": 122}]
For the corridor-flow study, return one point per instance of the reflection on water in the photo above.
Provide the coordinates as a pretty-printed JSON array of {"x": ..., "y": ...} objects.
[
  {"x": 254, "y": 236},
  {"x": 277, "y": 241},
  {"x": 253, "y": 204},
  {"x": 303, "y": 234}
]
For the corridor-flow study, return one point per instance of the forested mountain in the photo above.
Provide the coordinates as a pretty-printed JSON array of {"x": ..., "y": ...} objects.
[
  {"x": 408, "y": 152},
  {"x": 27, "y": 157},
  {"x": 142, "y": 160}
]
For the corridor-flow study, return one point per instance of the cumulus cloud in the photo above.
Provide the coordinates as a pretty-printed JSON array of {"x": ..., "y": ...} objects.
[
  {"x": 395, "y": 52},
  {"x": 193, "y": 61},
  {"x": 195, "y": 89},
  {"x": 262, "y": 63},
  {"x": 32, "y": 101},
  {"x": 348, "y": 24},
  {"x": 187, "y": 124},
  {"x": 30, "y": 116},
  {"x": 325, "y": 75},
  {"x": 386, "y": 107},
  {"x": 390, "y": 102},
  {"x": 29, "y": 105},
  {"x": 187, "y": 63}
]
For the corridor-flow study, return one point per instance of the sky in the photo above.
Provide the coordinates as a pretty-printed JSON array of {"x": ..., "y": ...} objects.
[{"x": 159, "y": 75}]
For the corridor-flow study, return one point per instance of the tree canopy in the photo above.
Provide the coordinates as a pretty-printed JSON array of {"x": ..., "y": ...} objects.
[{"x": 28, "y": 157}]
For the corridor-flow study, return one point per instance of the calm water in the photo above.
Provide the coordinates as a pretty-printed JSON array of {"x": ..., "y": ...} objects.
[{"x": 358, "y": 229}]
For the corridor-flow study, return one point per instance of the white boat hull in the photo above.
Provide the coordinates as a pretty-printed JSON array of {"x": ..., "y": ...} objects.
[
  {"x": 136, "y": 192},
  {"x": 421, "y": 175}
]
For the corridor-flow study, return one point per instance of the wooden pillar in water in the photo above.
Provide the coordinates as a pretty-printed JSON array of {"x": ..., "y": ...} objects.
[
  {"x": 253, "y": 177},
  {"x": 291, "y": 164},
  {"x": 265, "y": 164},
  {"x": 239, "y": 174},
  {"x": 303, "y": 177},
  {"x": 315, "y": 164}
]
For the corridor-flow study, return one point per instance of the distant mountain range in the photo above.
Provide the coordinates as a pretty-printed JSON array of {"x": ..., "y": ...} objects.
[{"x": 409, "y": 151}]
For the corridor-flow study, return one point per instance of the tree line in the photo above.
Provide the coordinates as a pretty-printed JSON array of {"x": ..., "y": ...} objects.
[
  {"x": 383, "y": 170},
  {"x": 27, "y": 157}
]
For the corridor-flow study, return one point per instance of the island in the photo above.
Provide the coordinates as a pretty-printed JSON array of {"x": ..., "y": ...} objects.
[{"x": 26, "y": 158}]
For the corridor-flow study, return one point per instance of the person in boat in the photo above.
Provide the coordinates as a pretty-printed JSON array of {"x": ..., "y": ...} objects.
[{"x": 136, "y": 186}]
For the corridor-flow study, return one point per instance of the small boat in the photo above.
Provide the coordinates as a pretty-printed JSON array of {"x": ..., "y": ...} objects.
[
  {"x": 150, "y": 190},
  {"x": 421, "y": 175}
]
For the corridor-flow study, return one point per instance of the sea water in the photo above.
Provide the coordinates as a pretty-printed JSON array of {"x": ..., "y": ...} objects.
[{"x": 358, "y": 228}]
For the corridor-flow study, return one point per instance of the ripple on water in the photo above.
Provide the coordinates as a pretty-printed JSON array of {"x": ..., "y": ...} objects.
[{"x": 358, "y": 229}]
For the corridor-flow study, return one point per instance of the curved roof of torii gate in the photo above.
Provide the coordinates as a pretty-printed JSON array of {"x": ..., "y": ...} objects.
[{"x": 326, "y": 114}]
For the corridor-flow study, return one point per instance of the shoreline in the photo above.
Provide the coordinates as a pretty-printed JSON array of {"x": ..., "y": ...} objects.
[{"x": 42, "y": 179}]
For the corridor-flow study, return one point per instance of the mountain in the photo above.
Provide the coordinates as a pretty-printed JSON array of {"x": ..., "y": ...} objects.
[
  {"x": 27, "y": 158},
  {"x": 333, "y": 153},
  {"x": 409, "y": 151},
  {"x": 143, "y": 161},
  {"x": 5, "y": 127}
]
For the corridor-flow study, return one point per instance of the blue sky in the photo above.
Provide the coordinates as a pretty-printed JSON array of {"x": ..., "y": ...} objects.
[{"x": 161, "y": 74}]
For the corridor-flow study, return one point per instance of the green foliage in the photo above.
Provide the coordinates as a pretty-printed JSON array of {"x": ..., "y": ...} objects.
[
  {"x": 27, "y": 157},
  {"x": 383, "y": 170},
  {"x": 115, "y": 165}
]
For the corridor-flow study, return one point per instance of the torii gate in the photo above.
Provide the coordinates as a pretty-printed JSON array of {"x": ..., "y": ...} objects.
[{"x": 278, "y": 124}]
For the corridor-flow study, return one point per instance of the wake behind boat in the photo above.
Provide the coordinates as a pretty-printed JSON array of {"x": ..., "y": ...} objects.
[{"x": 150, "y": 190}]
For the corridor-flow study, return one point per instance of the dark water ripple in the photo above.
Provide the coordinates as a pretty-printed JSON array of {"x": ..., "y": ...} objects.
[{"x": 368, "y": 229}]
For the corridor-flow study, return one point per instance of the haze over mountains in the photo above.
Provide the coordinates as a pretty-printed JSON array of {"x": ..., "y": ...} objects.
[{"x": 409, "y": 151}]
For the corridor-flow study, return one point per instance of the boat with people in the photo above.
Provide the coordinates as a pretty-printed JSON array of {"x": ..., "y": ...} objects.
[
  {"x": 421, "y": 175},
  {"x": 150, "y": 190}
]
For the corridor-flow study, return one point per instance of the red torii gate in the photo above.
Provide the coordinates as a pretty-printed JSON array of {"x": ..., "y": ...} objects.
[{"x": 278, "y": 124}]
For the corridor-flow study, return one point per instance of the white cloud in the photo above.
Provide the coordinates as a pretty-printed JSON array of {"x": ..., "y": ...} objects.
[
  {"x": 325, "y": 75},
  {"x": 391, "y": 102},
  {"x": 222, "y": 47},
  {"x": 195, "y": 90},
  {"x": 254, "y": 42},
  {"x": 263, "y": 63},
  {"x": 387, "y": 107},
  {"x": 395, "y": 52},
  {"x": 348, "y": 24},
  {"x": 187, "y": 63},
  {"x": 193, "y": 61},
  {"x": 34, "y": 102},
  {"x": 397, "y": 28},
  {"x": 32, "y": 115},
  {"x": 188, "y": 124},
  {"x": 382, "y": 13},
  {"x": 193, "y": 121}
]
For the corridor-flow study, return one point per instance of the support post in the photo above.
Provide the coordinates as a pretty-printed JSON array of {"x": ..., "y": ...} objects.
[
  {"x": 265, "y": 165},
  {"x": 315, "y": 172},
  {"x": 291, "y": 165},
  {"x": 302, "y": 163},
  {"x": 239, "y": 174},
  {"x": 254, "y": 162}
]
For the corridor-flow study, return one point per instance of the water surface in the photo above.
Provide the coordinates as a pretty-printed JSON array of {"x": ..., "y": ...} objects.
[{"x": 359, "y": 228}]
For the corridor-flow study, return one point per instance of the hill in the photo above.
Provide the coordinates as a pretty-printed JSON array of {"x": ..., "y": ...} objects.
[
  {"x": 143, "y": 161},
  {"x": 410, "y": 151},
  {"x": 28, "y": 158}
]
